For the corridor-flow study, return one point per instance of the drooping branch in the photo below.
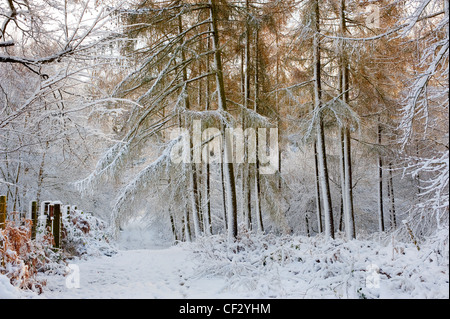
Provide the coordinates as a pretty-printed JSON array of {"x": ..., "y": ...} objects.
[{"x": 36, "y": 61}]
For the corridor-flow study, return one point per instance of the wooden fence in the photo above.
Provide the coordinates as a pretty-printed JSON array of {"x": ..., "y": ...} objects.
[{"x": 49, "y": 216}]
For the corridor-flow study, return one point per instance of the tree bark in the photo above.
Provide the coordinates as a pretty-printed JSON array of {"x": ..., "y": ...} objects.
[
  {"x": 322, "y": 159},
  {"x": 380, "y": 182},
  {"x": 257, "y": 178},
  {"x": 317, "y": 189},
  {"x": 191, "y": 168},
  {"x": 392, "y": 198},
  {"x": 228, "y": 162},
  {"x": 351, "y": 234},
  {"x": 207, "y": 166},
  {"x": 206, "y": 199},
  {"x": 348, "y": 186},
  {"x": 246, "y": 195},
  {"x": 172, "y": 224}
]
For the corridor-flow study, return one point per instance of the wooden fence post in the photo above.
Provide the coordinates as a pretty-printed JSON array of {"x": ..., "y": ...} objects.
[
  {"x": 2, "y": 212},
  {"x": 57, "y": 225},
  {"x": 34, "y": 219},
  {"x": 49, "y": 217}
]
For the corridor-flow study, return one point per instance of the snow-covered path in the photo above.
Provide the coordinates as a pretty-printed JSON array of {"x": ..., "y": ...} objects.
[{"x": 145, "y": 273}]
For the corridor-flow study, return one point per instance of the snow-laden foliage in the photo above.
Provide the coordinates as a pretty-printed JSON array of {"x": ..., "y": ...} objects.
[
  {"x": 424, "y": 116},
  {"x": 21, "y": 258},
  {"x": 269, "y": 266},
  {"x": 432, "y": 207},
  {"x": 139, "y": 186},
  {"x": 338, "y": 113},
  {"x": 86, "y": 235}
]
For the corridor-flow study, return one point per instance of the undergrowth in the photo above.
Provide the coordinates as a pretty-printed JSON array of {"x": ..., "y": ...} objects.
[{"x": 22, "y": 258}]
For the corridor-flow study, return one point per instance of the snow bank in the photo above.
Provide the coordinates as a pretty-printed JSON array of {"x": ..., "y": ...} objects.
[
  {"x": 7, "y": 291},
  {"x": 87, "y": 235},
  {"x": 269, "y": 266}
]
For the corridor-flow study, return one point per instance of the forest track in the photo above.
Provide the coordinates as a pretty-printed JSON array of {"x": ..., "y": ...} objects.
[{"x": 136, "y": 274}]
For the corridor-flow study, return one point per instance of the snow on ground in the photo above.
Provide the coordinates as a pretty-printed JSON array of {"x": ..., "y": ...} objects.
[
  {"x": 259, "y": 266},
  {"x": 269, "y": 266},
  {"x": 7, "y": 291},
  {"x": 135, "y": 274},
  {"x": 146, "y": 266}
]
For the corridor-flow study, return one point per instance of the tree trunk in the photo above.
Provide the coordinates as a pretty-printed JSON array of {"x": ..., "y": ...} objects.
[
  {"x": 317, "y": 189},
  {"x": 172, "y": 224},
  {"x": 392, "y": 198},
  {"x": 380, "y": 182},
  {"x": 246, "y": 195},
  {"x": 207, "y": 200},
  {"x": 228, "y": 162},
  {"x": 187, "y": 225},
  {"x": 350, "y": 217},
  {"x": 207, "y": 166},
  {"x": 257, "y": 177},
  {"x": 277, "y": 107},
  {"x": 41, "y": 174},
  {"x": 341, "y": 215},
  {"x": 224, "y": 198},
  {"x": 322, "y": 160},
  {"x": 348, "y": 187},
  {"x": 191, "y": 168},
  {"x": 193, "y": 200},
  {"x": 16, "y": 191},
  {"x": 343, "y": 209}
]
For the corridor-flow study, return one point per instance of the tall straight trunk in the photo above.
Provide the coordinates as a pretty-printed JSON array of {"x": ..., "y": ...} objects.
[
  {"x": 208, "y": 70},
  {"x": 350, "y": 215},
  {"x": 348, "y": 187},
  {"x": 317, "y": 189},
  {"x": 191, "y": 168},
  {"x": 321, "y": 152},
  {"x": 172, "y": 223},
  {"x": 224, "y": 198},
  {"x": 193, "y": 200},
  {"x": 246, "y": 191},
  {"x": 259, "y": 222},
  {"x": 222, "y": 103},
  {"x": 324, "y": 182},
  {"x": 16, "y": 192},
  {"x": 341, "y": 215},
  {"x": 277, "y": 107},
  {"x": 392, "y": 198},
  {"x": 257, "y": 178},
  {"x": 40, "y": 180},
  {"x": 207, "y": 166},
  {"x": 419, "y": 188},
  {"x": 247, "y": 167},
  {"x": 380, "y": 182},
  {"x": 207, "y": 199},
  {"x": 200, "y": 82},
  {"x": 244, "y": 206},
  {"x": 187, "y": 225},
  {"x": 342, "y": 172}
]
